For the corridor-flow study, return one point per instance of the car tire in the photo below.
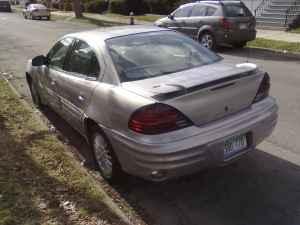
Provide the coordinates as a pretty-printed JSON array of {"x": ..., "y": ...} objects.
[
  {"x": 104, "y": 157},
  {"x": 35, "y": 94},
  {"x": 207, "y": 40},
  {"x": 240, "y": 44}
]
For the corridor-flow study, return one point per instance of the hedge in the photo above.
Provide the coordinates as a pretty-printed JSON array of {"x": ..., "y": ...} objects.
[
  {"x": 126, "y": 6},
  {"x": 96, "y": 6}
]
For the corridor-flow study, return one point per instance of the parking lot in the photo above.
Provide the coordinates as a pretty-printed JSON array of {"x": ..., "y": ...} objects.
[{"x": 263, "y": 188}]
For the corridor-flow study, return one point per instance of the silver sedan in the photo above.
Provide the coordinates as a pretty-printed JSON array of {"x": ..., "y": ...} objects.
[
  {"x": 152, "y": 102},
  {"x": 36, "y": 11}
]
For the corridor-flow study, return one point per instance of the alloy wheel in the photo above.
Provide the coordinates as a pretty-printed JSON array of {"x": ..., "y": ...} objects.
[
  {"x": 102, "y": 155},
  {"x": 207, "y": 41}
]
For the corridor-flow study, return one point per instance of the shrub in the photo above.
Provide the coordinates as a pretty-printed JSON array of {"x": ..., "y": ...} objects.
[
  {"x": 126, "y": 6},
  {"x": 164, "y": 6},
  {"x": 295, "y": 23},
  {"x": 96, "y": 6},
  {"x": 68, "y": 5},
  {"x": 118, "y": 6}
]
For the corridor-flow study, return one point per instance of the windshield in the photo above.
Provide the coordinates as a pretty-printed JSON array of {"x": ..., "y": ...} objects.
[{"x": 153, "y": 54}]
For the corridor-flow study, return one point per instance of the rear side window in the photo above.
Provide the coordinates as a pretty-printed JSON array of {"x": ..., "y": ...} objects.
[
  {"x": 236, "y": 10},
  {"x": 83, "y": 61},
  {"x": 183, "y": 11},
  {"x": 198, "y": 10},
  {"x": 210, "y": 11}
]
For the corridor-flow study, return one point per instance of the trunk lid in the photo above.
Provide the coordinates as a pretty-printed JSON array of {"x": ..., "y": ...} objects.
[{"x": 203, "y": 94}]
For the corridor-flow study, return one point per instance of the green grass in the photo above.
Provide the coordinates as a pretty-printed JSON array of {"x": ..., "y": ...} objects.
[
  {"x": 297, "y": 30},
  {"x": 37, "y": 174},
  {"x": 275, "y": 45}
]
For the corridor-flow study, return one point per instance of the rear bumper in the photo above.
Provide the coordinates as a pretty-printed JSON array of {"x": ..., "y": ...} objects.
[
  {"x": 232, "y": 37},
  {"x": 41, "y": 14},
  {"x": 204, "y": 149}
]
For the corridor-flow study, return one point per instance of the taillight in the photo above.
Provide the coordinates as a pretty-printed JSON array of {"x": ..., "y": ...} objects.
[
  {"x": 225, "y": 23},
  {"x": 156, "y": 119},
  {"x": 264, "y": 88}
]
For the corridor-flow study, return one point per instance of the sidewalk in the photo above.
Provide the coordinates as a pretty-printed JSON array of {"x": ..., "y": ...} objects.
[{"x": 278, "y": 35}]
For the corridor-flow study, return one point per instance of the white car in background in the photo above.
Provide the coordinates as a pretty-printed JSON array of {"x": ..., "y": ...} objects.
[{"x": 36, "y": 11}]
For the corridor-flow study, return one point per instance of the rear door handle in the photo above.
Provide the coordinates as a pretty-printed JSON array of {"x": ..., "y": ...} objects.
[
  {"x": 81, "y": 98},
  {"x": 53, "y": 82}
]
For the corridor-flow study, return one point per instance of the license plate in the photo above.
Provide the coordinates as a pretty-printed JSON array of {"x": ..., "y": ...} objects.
[
  {"x": 234, "y": 145},
  {"x": 243, "y": 26}
]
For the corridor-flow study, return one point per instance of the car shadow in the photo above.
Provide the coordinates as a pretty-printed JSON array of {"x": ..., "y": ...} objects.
[{"x": 259, "y": 189}]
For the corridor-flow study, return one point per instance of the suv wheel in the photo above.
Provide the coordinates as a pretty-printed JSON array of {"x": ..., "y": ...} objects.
[
  {"x": 207, "y": 40},
  {"x": 104, "y": 156}
]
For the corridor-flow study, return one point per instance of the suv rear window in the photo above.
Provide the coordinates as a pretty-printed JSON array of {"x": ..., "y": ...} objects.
[{"x": 236, "y": 10}]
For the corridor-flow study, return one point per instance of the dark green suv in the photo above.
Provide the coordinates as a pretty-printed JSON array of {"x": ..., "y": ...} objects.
[{"x": 213, "y": 23}]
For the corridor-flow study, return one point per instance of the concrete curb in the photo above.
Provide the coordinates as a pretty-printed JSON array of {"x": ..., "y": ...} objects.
[
  {"x": 107, "y": 200},
  {"x": 276, "y": 53}
]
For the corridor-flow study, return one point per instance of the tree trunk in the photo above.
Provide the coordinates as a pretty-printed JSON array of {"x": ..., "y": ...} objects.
[{"x": 77, "y": 8}]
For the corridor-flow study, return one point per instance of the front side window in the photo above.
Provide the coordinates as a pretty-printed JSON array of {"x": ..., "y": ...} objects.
[
  {"x": 183, "y": 12},
  {"x": 57, "y": 55},
  {"x": 154, "y": 54},
  {"x": 83, "y": 61}
]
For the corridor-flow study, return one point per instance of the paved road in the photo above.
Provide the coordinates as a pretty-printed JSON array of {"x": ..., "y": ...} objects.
[{"x": 263, "y": 188}]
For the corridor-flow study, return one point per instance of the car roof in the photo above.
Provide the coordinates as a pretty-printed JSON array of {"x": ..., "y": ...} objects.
[
  {"x": 116, "y": 31},
  {"x": 214, "y": 2},
  {"x": 37, "y": 4}
]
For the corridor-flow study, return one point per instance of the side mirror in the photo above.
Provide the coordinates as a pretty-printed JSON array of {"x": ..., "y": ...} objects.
[
  {"x": 171, "y": 17},
  {"x": 39, "y": 61}
]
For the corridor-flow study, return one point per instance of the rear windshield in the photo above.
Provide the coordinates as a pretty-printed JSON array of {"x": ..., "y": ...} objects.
[
  {"x": 38, "y": 6},
  {"x": 154, "y": 54},
  {"x": 236, "y": 10}
]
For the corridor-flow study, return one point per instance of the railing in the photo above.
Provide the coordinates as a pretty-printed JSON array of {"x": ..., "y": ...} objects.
[
  {"x": 291, "y": 12},
  {"x": 260, "y": 8}
]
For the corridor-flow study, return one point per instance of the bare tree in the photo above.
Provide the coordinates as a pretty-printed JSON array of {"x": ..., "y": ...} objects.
[{"x": 77, "y": 8}]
